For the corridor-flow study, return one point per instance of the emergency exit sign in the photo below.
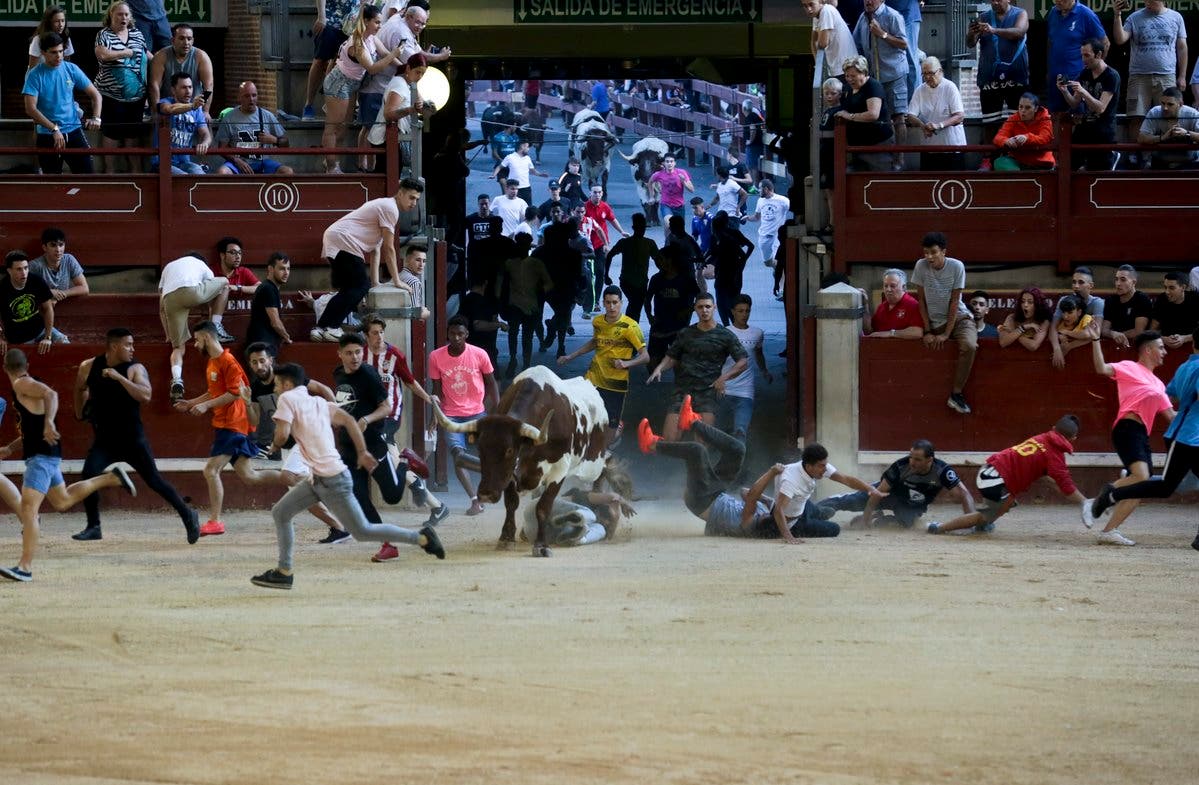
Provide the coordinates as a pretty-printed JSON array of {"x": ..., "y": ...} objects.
[
  {"x": 87, "y": 13},
  {"x": 618, "y": 12}
]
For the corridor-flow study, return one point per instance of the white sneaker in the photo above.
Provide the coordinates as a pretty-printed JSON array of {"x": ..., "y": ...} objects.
[
  {"x": 333, "y": 334},
  {"x": 1114, "y": 537},
  {"x": 318, "y": 334},
  {"x": 1088, "y": 518}
]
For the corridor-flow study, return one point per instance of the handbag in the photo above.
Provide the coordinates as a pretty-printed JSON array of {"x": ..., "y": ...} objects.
[
  {"x": 130, "y": 77},
  {"x": 1001, "y": 68}
]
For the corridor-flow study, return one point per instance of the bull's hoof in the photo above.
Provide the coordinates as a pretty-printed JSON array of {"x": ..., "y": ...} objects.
[
  {"x": 542, "y": 551},
  {"x": 505, "y": 545}
]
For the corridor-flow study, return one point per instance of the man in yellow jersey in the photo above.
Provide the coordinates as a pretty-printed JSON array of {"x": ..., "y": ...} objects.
[{"x": 616, "y": 339}]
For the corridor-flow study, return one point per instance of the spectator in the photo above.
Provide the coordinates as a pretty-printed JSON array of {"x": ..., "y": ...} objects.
[
  {"x": 940, "y": 280},
  {"x": 753, "y": 136},
  {"x": 936, "y": 109},
  {"x": 771, "y": 210},
  {"x": 189, "y": 127},
  {"x": 669, "y": 300},
  {"x": 862, "y": 110},
  {"x": 49, "y": 96},
  {"x": 26, "y": 307},
  {"x": 1071, "y": 24},
  {"x": 510, "y": 207},
  {"x": 1030, "y": 126},
  {"x": 881, "y": 38},
  {"x": 151, "y": 19},
  {"x": 910, "y": 11},
  {"x": 397, "y": 106},
  {"x": 980, "y": 306},
  {"x": 830, "y": 95},
  {"x": 266, "y": 310},
  {"x": 1158, "y": 55},
  {"x": 250, "y": 127},
  {"x": 54, "y": 20},
  {"x": 898, "y": 313},
  {"x": 600, "y": 100},
  {"x": 526, "y": 282},
  {"x": 1175, "y": 127},
  {"x": 519, "y": 165},
  {"x": 1082, "y": 283},
  {"x": 360, "y": 55},
  {"x": 739, "y": 390},
  {"x": 1092, "y": 100},
  {"x": 1002, "y": 74},
  {"x": 667, "y": 186},
  {"x": 1029, "y": 323},
  {"x": 730, "y": 195},
  {"x": 728, "y": 256},
  {"x": 701, "y": 224},
  {"x": 241, "y": 279},
  {"x": 184, "y": 284},
  {"x": 182, "y": 56},
  {"x": 830, "y": 35},
  {"x": 1075, "y": 328},
  {"x": 327, "y": 38},
  {"x": 1175, "y": 312},
  {"x": 60, "y": 270},
  {"x": 1126, "y": 313},
  {"x": 122, "y": 57},
  {"x": 412, "y": 274}
]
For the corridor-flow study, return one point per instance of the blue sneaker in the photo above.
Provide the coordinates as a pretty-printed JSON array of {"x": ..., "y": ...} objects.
[{"x": 309, "y": 114}]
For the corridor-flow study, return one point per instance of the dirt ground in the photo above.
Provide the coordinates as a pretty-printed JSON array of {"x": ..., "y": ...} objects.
[{"x": 1026, "y": 656}]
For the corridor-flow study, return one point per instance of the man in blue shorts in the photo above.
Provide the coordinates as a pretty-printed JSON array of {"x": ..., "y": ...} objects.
[{"x": 249, "y": 127}]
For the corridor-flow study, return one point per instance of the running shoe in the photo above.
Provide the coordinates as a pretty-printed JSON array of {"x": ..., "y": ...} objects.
[
  {"x": 273, "y": 579},
  {"x": 1114, "y": 537},
  {"x": 646, "y": 439},
  {"x": 420, "y": 494},
  {"x": 957, "y": 402},
  {"x": 438, "y": 515},
  {"x": 222, "y": 335},
  {"x": 88, "y": 534},
  {"x": 212, "y": 528},
  {"x": 308, "y": 115},
  {"x": 16, "y": 574},
  {"x": 432, "y": 543},
  {"x": 386, "y": 553},
  {"x": 336, "y": 537},
  {"x": 934, "y": 527},
  {"x": 122, "y": 474},
  {"x": 687, "y": 415},
  {"x": 176, "y": 390}
]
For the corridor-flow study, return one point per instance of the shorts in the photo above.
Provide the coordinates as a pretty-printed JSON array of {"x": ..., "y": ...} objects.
[
  {"x": 614, "y": 404},
  {"x": 1144, "y": 91},
  {"x": 368, "y": 108},
  {"x": 42, "y": 473},
  {"x": 121, "y": 119},
  {"x": 895, "y": 96},
  {"x": 338, "y": 85},
  {"x": 703, "y": 401},
  {"x": 234, "y": 443},
  {"x": 257, "y": 166},
  {"x": 459, "y": 439},
  {"x": 1131, "y": 441},
  {"x": 326, "y": 43},
  {"x": 724, "y": 518},
  {"x": 769, "y": 245},
  {"x": 177, "y": 304},
  {"x": 294, "y": 462},
  {"x": 992, "y": 487}
]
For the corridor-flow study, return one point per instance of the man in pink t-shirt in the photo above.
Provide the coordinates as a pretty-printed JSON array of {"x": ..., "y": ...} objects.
[
  {"x": 1142, "y": 396},
  {"x": 464, "y": 387},
  {"x": 310, "y": 421},
  {"x": 668, "y": 184}
]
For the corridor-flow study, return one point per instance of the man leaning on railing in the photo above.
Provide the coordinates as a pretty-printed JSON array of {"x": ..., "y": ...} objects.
[{"x": 49, "y": 93}]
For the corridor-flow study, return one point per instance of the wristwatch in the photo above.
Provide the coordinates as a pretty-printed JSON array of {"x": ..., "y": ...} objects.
[{"x": 55, "y": 130}]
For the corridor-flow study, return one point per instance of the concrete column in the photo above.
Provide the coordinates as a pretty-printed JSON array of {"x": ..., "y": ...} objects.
[{"x": 838, "y": 331}]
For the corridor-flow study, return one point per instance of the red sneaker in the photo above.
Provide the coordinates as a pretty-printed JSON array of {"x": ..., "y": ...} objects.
[
  {"x": 415, "y": 463},
  {"x": 211, "y": 528},
  {"x": 386, "y": 553},
  {"x": 646, "y": 438},
  {"x": 687, "y": 415}
]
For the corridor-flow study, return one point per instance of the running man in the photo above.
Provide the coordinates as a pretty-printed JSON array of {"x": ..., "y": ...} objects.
[
  {"x": 1142, "y": 397},
  {"x": 109, "y": 392},
  {"x": 310, "y": 420},
  {"x": 616, "y": 338},
  {"x": 37, "y": 436},
  {"x": 1011, "y": 472}
]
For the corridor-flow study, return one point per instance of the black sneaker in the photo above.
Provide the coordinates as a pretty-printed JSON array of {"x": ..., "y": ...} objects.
[
  {"x": 934, "y": 528},
  {"x": 122, "y": 474},
  {"x": 1103, "y": 501},
  {"x": 420, "y": 492},
  {"x": 957, "y": 402},
  {"x": 273, "y": 579},
  {"x": 336, "y": 536},
  {"x": 222, "y": 335},
  {"x": 192, "y": 524},
  {"x": 24, "y": 576},
  {"x": 88, "y": 534},
  {"x": 1195, "y": 542},
  {"x": 176, "y": 391},
  {"x": 438, "y": 515},
  {"x": 432, "y": 542}
]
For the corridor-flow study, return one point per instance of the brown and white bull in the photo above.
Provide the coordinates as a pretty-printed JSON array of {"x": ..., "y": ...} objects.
[
  {"x": 545, "y": 432},
  {"x": 648, "y": 155}
]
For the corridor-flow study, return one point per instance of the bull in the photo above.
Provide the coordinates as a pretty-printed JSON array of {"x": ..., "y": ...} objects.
[
  {"x": 544, "y": 432},
  {"x": 648, "y": 155},
  {"x": 591, "y": 141}
]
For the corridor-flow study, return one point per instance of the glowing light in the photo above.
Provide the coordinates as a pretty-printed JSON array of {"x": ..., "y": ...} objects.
[{"x": 434, "y": 88}]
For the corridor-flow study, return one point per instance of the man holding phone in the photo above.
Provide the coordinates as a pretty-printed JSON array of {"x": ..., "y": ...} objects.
[
  {"x": 1070, "y": 23},
  {"x": 250, "y": 127}
]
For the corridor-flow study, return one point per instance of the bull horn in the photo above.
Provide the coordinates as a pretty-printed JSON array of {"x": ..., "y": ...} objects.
[
  {"x": 625, "y": 157},
  {"x": 538, "y": 435},
  {"x": 454, "y": 427}
]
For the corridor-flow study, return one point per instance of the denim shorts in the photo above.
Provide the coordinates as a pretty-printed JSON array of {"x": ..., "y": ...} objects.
[
  {"x": 338, "y": 85},
  {"x": 459, "y": 439},
  {"x": 724, "y": 518},
  {"x": 42, "y": 473}
]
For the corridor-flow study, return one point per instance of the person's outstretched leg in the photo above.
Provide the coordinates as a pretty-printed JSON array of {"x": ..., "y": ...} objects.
[
  {"x": 703, "y": 485},
  {"x": 730, "y": 451}
]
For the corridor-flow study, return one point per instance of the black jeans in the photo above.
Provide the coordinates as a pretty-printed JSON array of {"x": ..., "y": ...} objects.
[
  {"x": 711, "y": 467},
  {"x": 1180, "y": 459},
  {"x": 526, "y": 324},
  {"x": 347, "y": 274},
  {"x": 52, "y": 163},
  {"x": 635, "y": 297},
  {"x": 388, "y": 476},
  {"x": 136, "y": 452}
]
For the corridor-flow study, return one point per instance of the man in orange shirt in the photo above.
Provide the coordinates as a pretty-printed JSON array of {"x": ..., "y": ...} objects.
[{"x": 228, "y": 391}]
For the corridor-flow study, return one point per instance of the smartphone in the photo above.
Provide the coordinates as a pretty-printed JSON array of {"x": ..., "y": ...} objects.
[{"x": 206, "y": 95}]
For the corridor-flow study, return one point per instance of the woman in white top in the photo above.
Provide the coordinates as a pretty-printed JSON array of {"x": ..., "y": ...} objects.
[
  {"x": 54, "y": 20},
  {"x": 398, "y": 106},
  {"x": 360, "y": 55}
]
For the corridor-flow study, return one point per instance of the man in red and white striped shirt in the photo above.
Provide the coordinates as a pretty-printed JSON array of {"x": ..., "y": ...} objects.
[{"x": 393, "y": 369}]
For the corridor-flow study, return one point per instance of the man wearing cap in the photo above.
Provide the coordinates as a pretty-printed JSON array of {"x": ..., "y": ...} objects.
[{"x": 556, "y": 198}]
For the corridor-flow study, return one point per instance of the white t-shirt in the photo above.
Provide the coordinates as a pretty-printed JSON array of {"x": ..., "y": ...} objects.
[
  {"x": 398, "y": 85},
  {"x": 511, "y": 211},
  {"x": 361, "y": 231},
  {"x": 742, "y": 385},
  {"x": 310, "y": 419},
  {"x": 840, "y": 42},
  {"x": 35, "y": 49},
  {"x": 183, "y": 272},
  {"x": 935, "y": 105},
  {"x": 798, "y": 486},
  {"x": 519, "y": 167},
  {"x": 729, "y": 194},
  {"x": 773, "y": 212}
]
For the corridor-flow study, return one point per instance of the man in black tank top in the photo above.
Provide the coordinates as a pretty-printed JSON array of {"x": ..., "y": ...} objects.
[
  {"x": 37, "y": 406},
  {"x": 109, "y": 392}
]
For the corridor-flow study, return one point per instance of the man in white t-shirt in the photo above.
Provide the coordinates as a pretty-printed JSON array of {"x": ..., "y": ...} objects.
[
  {"x": 520, "y": 165},
  {"x": 830, "y": 34},
  {"x": 796, "y": 484},
  {"x": 510, "y": 207},
  {"x": 936, "y": 109},
  {"x": 366, "y": 232},
  {"x": 730, "y": 194},
  {"x": 310, "y": 421},
  {"x": 771, "y": 210},
  {"x": 739, "y": 391}
]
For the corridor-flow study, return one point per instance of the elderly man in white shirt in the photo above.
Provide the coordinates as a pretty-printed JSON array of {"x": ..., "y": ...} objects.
[{"x": 936, "y": 109}]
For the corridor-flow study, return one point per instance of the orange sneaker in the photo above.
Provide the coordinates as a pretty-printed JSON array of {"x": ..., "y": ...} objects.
[
  {"x": 211, "y": 528},
  {"x": 387, "y": 552},
  {"x": 687, "y": 415},
  {"x": 646, "y": 438}
]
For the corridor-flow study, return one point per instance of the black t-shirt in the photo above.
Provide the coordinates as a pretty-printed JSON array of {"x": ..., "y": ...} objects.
[
  {"x": 265, "y": 296},
  {"x": 1180, "y": 319},
  {"x": 672, "y": 299},
  {"x": 564, "y": 264},
  {"x": 478, "y": 227},
  {"x": 360, "y": 393},
  {"x": 699, "y": 356},
  {"x": 866, "y": 133},
  {"x": 730, "y": 251},
  {"x": 919, "y": 490},
  {"x": 263, "y": 394},
  {"x": 479, "y": 307},
  {"x": 485, "y": 259},
  {"x": 20, "y": 309},
  {"x": 635, "y": 253},
  {"x": 572, "y": 188},
  {"x": 1103, "y": 125},
  {"x": 543, "y": 209},
  {"x": 1123, "y": 316}
]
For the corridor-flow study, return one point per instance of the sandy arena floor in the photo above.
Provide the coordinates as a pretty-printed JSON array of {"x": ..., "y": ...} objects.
[{"x": 1027, "y": 656}]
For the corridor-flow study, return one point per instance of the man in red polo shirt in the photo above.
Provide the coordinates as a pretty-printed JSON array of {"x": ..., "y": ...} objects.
[{"x": 898, "y": 314}]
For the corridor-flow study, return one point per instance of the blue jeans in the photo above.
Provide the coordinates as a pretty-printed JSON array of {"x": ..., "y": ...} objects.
[
  {"x": 741, "y": 410},
  {"x": 810, "y": 524},
  {"x": 905, "y": 514},
  {"x": 56, "y": 336}
]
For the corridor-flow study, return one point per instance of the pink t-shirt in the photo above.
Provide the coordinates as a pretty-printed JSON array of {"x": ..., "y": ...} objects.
[
  {"x": 1141, "y": 393},
  {"x": 461, "y": 377},
  {"x": 310, "y": 419},
  {"x": 361, "y": 231},
  {"x": 672, "y": 186}
]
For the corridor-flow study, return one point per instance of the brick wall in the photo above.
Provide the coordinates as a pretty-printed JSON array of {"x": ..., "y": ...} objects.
[{"x": 243, "y": 55}]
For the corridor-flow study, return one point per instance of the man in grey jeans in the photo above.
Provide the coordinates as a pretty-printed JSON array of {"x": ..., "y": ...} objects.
[{"x": 939, "y": 281}]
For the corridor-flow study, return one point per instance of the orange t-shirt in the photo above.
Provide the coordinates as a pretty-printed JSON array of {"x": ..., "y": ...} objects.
[{"x": 226, "y": 376}]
